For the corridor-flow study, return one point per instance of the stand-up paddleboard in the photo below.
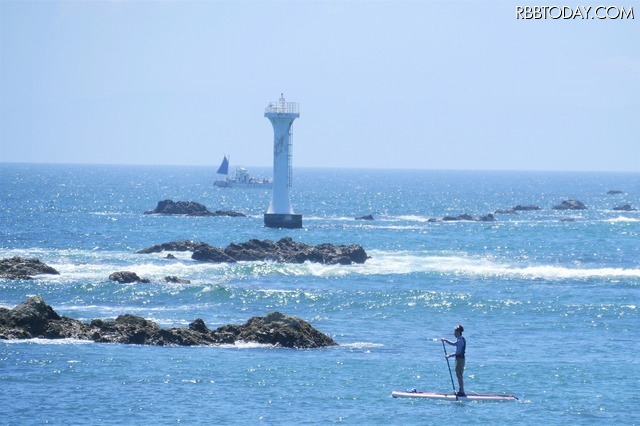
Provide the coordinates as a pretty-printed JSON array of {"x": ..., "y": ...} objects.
[{"x": 471, "y": 396}]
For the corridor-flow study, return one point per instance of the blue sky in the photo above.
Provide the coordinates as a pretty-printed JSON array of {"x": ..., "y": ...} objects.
[{"x": 381, "y": 84}]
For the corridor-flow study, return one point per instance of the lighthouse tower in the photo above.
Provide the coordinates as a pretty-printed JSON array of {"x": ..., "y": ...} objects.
[{"x": 280, "y": 213}]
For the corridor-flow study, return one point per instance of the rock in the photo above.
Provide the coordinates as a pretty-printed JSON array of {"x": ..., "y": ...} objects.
[
  {"x": 169, "y": 256},
  {"x": 625, "y": 208},
  {"x": 285, "y": 250},
  {"x": 487, "y": 218},
  {"x": 367, "y": 217},
  {"x": 518, "y": 208},
  {"x": 207, "y": 253},
  {"x": 501, "y": 211},
  {"x": 178, "y": 207},
  {"x": 176, "y": 280},
  {"x": 34, "y": 318},
  {"x": 280, "y": 330},
  {"x": 614, "y": 192},
  {"x": 228, "y": 213},
  {"x": 570, "y": 205},
  {"x": 30, "y": 316},
  {"x": 526, "y": 208},
  {"x": 189, "y": 208},
  {"x": 184, "y": 245},
  {"x": 567, "y": 219},
  {"x": 23, "y": 268},
  {"x": 199, "y": 326},
  {"x": 125, "y": 277}
]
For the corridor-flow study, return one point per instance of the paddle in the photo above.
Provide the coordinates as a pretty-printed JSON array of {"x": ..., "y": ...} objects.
[{"x": 449, "y": 365}]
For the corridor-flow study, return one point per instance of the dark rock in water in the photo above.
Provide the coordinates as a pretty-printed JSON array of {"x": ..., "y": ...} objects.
[
  {"x": 34, "y": 318},
  {"x": 178, "y": 207},
  {"x": 279, "y": 330},
  {"x": 567, "y": 219},
  {"x": 288, "y": 251},
  {"x": 285, "y": 250},
  {"x": 125, "y": 277},
  {"x": 23, "y": 268},
  {"x": 501, "y": 211},
  {"x": 614, "y": 192},
  {"x": 169, "y": 256},
  {"x": 228, "y": 213},
  {"x": 570, "y": 205},
  {"x": 526, "y": 208},
  {"x": 625, "y": 208},
  {"x": 184, "y": 245},
  {"x": 29, "y": 316},
  {"x": 464, "y": 216},
  {"x": 189, "y": 208},
  {"x": 207, "y": 253},
  {"x": 176, "y": 280},
  {"x": 468, "y": 217},
  {"x": 199, "y": 326},
  {"x": 367, "y": 217}
]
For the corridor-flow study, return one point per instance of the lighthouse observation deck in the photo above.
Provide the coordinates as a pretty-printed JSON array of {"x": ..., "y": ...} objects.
[{"x": 282, "y": 107}]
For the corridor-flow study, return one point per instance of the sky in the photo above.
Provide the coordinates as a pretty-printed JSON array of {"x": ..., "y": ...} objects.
[{"x": 446, "y": 85}]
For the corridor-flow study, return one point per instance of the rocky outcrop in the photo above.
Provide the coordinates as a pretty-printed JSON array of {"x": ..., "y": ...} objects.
[
  {"x": 23, "y": 268},
  {"x": 184, "y": 245},
  {"x": 488, "y": 218},
  {"x": 279, "y": 330},
  {"x": 366, "y": 217},
  {"x": 518, "y": 208},
  {"x": 126, "y": 277},
  {"x": 625, "y": 208},
  {"x": 175, "y": 280},
  {"x": 189, "y": 208},
  {"x": 209, "y": 253},
  {"x": 529, "y": 207},
  {"x": 570, "y": 205},
  {"x": 614, "y": 192},
  {"x": 285, "y": 250},
  {"x": 34, "y": 318}
]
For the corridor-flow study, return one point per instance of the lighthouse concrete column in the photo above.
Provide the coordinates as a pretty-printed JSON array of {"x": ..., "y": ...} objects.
[{"x": 280, "y": 214}]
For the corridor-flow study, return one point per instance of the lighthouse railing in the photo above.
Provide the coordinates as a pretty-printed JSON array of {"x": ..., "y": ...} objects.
[{"x": 282, "y": 108}]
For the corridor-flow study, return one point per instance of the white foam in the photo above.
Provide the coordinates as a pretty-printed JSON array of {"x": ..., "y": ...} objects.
[
  {"x": 622, "y": 219},
  {"x": 405, "y": 263},
  {"x": 39, "y": 341},
  {"x": 96, "y": 266},
  {"x": 362, "y": 345},
  {"x": 413, "y": 218},
  {"x": 241, "y": 344}
]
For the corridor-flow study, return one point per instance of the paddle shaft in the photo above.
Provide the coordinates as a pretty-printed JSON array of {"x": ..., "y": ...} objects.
[{"x": 449, "y": 365}]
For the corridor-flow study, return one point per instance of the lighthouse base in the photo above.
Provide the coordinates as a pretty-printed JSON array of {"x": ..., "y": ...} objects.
[{"x": 291, "y": 221}]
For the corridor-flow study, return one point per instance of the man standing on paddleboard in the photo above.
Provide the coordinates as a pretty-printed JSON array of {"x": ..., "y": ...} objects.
[{"x": 461, "y": 346}]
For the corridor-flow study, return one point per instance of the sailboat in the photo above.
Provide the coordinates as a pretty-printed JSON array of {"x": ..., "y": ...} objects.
[{"x": 241, "y": 179}]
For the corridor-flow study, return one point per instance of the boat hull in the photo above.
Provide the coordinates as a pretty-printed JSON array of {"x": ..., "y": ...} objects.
[{"x": 233, "y": 184}]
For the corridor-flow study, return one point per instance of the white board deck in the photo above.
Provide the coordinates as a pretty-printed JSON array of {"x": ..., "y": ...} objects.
[{"x": 472, "y": 396}]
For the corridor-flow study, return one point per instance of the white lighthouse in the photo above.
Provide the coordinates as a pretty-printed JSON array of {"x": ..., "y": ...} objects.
[{"x": 280, "y": 213}]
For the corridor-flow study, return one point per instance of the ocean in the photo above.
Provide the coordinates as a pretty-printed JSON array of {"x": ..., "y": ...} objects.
[{"x": 548, "y": 298}]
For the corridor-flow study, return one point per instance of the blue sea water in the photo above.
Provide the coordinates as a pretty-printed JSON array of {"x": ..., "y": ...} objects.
[{"x": 550, "y": 307}]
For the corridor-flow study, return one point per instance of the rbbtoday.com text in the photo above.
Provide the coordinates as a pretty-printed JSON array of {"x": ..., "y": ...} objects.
[{"x": 575, "y": 12}]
